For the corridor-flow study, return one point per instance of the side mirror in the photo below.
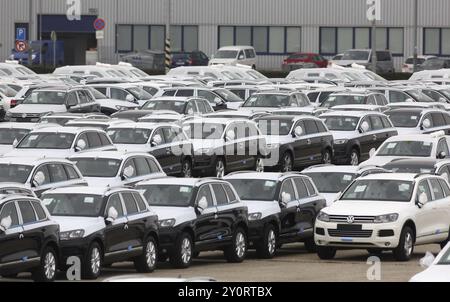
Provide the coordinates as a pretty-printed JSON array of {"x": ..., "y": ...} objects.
[
  {"x": 423, "y": 200},
  {"x": 365, "y": 127},
  {"x": 285, "y": 199},
  {"x": 81, "y": 145},
  {"x": 202, "y": 205},
  {"x": 298, "y": 131},
  {"x": 71, "y": 103},
  {"x": 112, "y": 215},
  {"x": 15, "y": 143},
  {"x": 5, "y": 224},
  {"x": 427, "y": 261},
  {"x": 372, "y": 152},
  {"x": 426, "y": 124},
  {"x": 156, "y": 141},
  {"x": 241, "y": 57},
  {"x": 231, "y": 136},
  {"x": 128, "y": 172},
  {"x": 218, "y": 101},
  {"x": 442, "y": 100},
  {"x": 190, "y": 111},
  {"x": 442, "y": 155},
  {"x": 130, "y": 98},
  {"x": 409, "y": 101},
  {"x": 39, "y": 179}
]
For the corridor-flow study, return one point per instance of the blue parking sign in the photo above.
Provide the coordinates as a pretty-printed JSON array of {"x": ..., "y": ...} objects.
[{"x": 21, "y": 34}]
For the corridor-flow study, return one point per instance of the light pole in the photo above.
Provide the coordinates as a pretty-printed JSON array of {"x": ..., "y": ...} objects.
[
  {"x": 167, "y": 47},
  {"x": 416, "y": 19},
  {"x": 30, "y": 16},
  {"x": 374, "y": 46}
]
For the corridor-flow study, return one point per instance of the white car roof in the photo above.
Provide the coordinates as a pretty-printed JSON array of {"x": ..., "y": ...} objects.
[
  {"x": 31, "y": 161},
  {"x": 86, "y": 190},
  {"x": 414, "y": 137},
  {"x": 392, "y": 176},
  {"x": 179, "y": 181},
  {"x": 28, "y": 126},
  {"x": 332, "y": 169},
  {"x": 71, "y": 130},
  {"x": 119, "y": 155},
  {"x": 357, "y": 114},
  {"x": 237, "y": 47}
]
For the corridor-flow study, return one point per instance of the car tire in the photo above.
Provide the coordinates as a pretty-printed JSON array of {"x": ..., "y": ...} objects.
[
  {"x": 92, "y": 264},
  {"x": 181, "y": 257},
  {"x": 146, "y": 263},
  {"x": 220, "y": 168},
  {"x": 405, "y": 247},
  {"x": 287, "y": 162},
  {"x": 354, "y": 158},
  {"x": 186, "y": 168},
  {"x": 259, "y": 165},
  {"x": 237, "y": 250},
  {"x": 310, "y": 245},
  {"x": 326, "y": 253},
  {"x": 267, "y": 248},
  {"x": 326, "y": 157},
  {"x": 375, "y": 252},
  {"x": 46, "y": 272}
]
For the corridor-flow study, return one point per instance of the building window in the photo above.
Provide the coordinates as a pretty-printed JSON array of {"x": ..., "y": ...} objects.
[
  {"x": 436, "y": 41},
  {"x": 184, "y": 38},
  {"x": 265, "y": 39},
  {"x": 124, "y": 38},
  {"x": 334, "y": 40}
]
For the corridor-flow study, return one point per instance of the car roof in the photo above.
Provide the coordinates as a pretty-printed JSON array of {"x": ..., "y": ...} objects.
[
  {"x": 179, "y": 181},
  {"x": 416, "y": 110},
  {"x": 172, "y": 99},
  {"x": 87, "y": 190},
  {"x": 237, "y": 47},
  {"x": 10, "y": 197},
  {"x": 71, "y": 130},
  {"x": 357, "y": 114},
  {"x": 28, "y": 126},
  {"x": 213, "y": 120},
  {"x": 31, "y": 161},
  {"x": 332, "y": 169},
  {"x": 419, "y": 162},
  {"x": 391, "y": 176},
  {"x": 119, "y": 155},
  {"x": 261, "y": 176},
  {"x": 414, "y": 137}
]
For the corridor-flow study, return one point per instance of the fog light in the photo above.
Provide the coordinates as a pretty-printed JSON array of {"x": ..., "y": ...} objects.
[{"x": 387, "y": 244}]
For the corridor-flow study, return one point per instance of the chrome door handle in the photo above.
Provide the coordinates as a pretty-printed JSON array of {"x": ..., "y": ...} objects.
[
  {"x": 308, "y": 141},
  {"x": 125, "y": 227},
  {"x": 375, "y": 137},
  {"x": 216, "y": 216},
  {"x": 21, "y": 236}
]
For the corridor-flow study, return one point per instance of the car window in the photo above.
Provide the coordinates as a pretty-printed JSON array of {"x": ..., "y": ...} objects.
[
  {"x": 377, "y": 123},
  {"x": 43, "y": 171},
  {"x": 424, "y": 188},
  {"x": 84, "y": 137},
  {"x": 118, "y": 94},
  {"x": 191, "y": 108},
  {"x": 207, "y": 95},
  {"x": 104, "y": 139},
  {"x": 94, "y": 140},
  {"x": 443, "y": 147},
  {"x": 57, "y": 173},
  {"x": 82, "y": 97},
  {"x": 381, "y": 100},
  {"x": 9, "y": 210},
  {"x": 142, "y": 166},
  {"x": 185, "y": 92},
  {"x": 101, "y": 90},
  {"x": 241, "y": 55},
  {"x": 153, "y": 166},
  {"x": 114, "y": 201},
  {"x": 140, "y": 202},
  {"x": 130, "y": 203},
  {"x": 39, "y": 210},
  {"x": 371, "y": 100},
  {"x": 170, "y": 136},
  {"x": 445, "y": 172},
  {"x": 205, "y": 192},
  {"x": 71, "y": 172},
  {"x": 231, "y": 196},
  {"x": 397, "y": 96},
  {"x": 72, "y": 98},
  {"x": 301, "y": 188},
  {"x": 445, "y": 187},
  {"x": 438, "y": 119},
  {"x": 27, "y": 211},
  {"x": 201, "y": 106},
  {"x": 129, "y": 169},
  {"x": 321, "y": 127},
  {"x": 310, "y": 127},
  {"x": 386, "y": 122},
  {"x": 313, "y": 96},
  {"x": 169, "y": 93},
  {"x": 221, "y": 195},
  {"x": 436, "y": 188},
  {"x": 311, "y": 190},
  {"x": 287, "y": 189}
]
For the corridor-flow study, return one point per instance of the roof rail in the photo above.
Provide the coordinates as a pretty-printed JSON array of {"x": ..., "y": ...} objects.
[
  {"x": 421, "y": 174},
  {"x": 242, "y": 172},
  {"x": 318, "y": 166}
]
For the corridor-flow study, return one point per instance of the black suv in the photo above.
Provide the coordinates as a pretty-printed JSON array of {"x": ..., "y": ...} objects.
[
  {"x": 295, "y": 142},
  {"x": 103, "y": 226},
  {"x": 197, "y": 215},
  {"x": 29, "y": 239}
]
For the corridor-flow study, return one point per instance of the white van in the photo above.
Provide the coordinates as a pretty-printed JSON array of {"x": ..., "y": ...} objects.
[{"x": 232, "y": 55}]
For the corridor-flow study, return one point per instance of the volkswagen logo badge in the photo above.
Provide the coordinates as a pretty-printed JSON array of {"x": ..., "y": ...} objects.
[
  {"x": 350, "y": 219},
  {"x": 24, "y": 115}
]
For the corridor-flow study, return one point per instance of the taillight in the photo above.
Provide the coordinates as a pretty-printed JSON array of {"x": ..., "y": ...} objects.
[{"x": 13, "y": 103}]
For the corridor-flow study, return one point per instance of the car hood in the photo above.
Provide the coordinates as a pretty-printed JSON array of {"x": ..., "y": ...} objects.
[
  {"x": 330, "y": 197},
  {"x": 37, "y": 153},
  {"x": 407, "y": 131},
  {"x": 5, "y": 149},
  {"x": 234, "y": 105},
  {"x": 435, "y": 273},
  {"x": 37, "y": 109},
  {"x": 180, "y": 214},
  {"x": 133, "y": 148},
  {"x": 378, "y": 161},
  {"x": 103, "y": 181},
  {"x": 111, "y": 103},
  {"x": 223, "y": 61},
  {"x": 266, "y": 208},
  {"x": 90, "y": 225},
  {"x": 365, "y": 208},
  {"x": 343, "y": 134}
]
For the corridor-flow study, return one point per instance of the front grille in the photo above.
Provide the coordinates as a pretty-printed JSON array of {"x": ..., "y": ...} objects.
[
  {"x": 350, "y": 233},
  {"x": 320, "y": 231},
  {"x": 357, "y": 219}
]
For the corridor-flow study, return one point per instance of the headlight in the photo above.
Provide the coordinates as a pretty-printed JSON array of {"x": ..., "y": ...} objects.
[
  {"x": 323, "y": 217},
  {"x": 71, "y": 235},
  {"x": 254, "y": 216},
  {"x": 168, "y": 223},
  {"x": 340, "y": 142},
  {"x": 386, "y": 218}
]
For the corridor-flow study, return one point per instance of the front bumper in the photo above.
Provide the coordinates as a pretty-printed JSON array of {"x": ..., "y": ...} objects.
[
  {"x": 341, "y": 154},
  {"x": 204, "y": 164},
  {"x": 75, "y": 247},
  {"x": 167, "y": 238},
  {"x": 371, "y": 235}
]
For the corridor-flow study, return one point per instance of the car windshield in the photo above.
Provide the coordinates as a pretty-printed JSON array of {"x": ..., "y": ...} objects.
[
  {"x": 47, "y": 141},
  {"x": 445, "y": 259},
  {"x": 204, "y": 130},
  {"x": 97, "y": 94},
  {"x": 226, "y": 54},
  {"x": 298, "y": 56},
  {"x": 139, "y": 93},
  {"x": 379, "y": 190},
  {"x": 167, "y": 195},
  {"x": 255, "y": 189},
  {"x": 98, "y": 167},
  {"x": 356, "y": 55},
  {"x": 271, "y": 100},
  {"x": 8, "y": 136},
  {"x": 419, "y": 96},
  {"x": 46, "y": 98},
  {"x": 341, "y": 123},
  {"x": 130, "y": 136},
  {"x": 411, "y": 61},
  {"x": 406, "y": 148},
  {"x": 339, "y": 100},
  {"x": 73, "y": 205},
  {"x": 331, "y": 182},
  {"x": 14, "y": 173},
  {"x": 275, "y": 127},
  {"x": 228, "y": 95},
  {"x": 404, "y": 119},
  {"x": 7, "y": 91},
  {"x": 445, "y": 92},
  {"x": 176, "y": 106}
]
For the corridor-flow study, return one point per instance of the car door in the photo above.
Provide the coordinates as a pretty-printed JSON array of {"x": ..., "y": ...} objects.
[
  {"x": 226, "y": 213},
  {"x": 307, "y": 214},
  {"x": 116, "y": 235},
  {"x": 441, "y": 208},
  {"x": 313, "y": 141},
  {"x": 425, "y": 215},
  {"x": 442, "y": 147},
  {"x": 206, "y": 224},
  {"x": 439, "y": 123},
  {"x": 368, "y": 139},
  {"x": 13, "y": 248},
  {"x": 159, "y": 149},
  {"x": 389, "y": 129},
  {"x": 378, "y": 131},
  {"x": 174, "y": 149},
  {"x": 301, "y": 148},
  {"x": 290, "y": 215},
  {"x": 41, "y": 180}
]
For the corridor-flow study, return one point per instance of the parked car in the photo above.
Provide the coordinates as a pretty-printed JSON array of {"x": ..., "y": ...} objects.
[
  {"x": 168, "y": 143},
  {"x": 109, "y": 106},
  {"x": 194, "y": 58},
  {"x": 233, "y": 55},
  {"x": 222, "y": 146},
  {"x": 42, "y": 102},
  {"x": 356, "y": 134},
  {"x": 146, "y": 59},
  {"x": 354, "y": 98},
  {"x": 275, "y": 204},
  {"x": 439, "y": 167},
  {"x": 295, "y": 142},
  {"x": 408, "y": 67},
  {"x": 62, "y": 118},
  {"x": 363, "y": 57},
  {"x": 302, "y": 59},
  {"x": 196, "y": 215},
  {"x": 29, "y": 238},
  {"x": 273, "y": 100},
  {"x": 11, "y": 133},
  {"x": 386, "y": 212},
  {"x": 438, "y": 270},
  {"x": 435, "y": 64},
  {"x": 124, "y": 92},
  {"x": 186, "y": 106},
  {"x": 102, "y": 226},
  {"x": 419, "y": 121}
]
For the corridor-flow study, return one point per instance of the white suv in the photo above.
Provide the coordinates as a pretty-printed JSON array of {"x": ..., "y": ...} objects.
[
  {"x": 233, "y": 55},
  {"x": 386, "y": 212}
]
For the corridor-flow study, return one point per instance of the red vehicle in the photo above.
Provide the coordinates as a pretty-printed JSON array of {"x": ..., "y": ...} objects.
[{"x": 305, "y": 60}]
